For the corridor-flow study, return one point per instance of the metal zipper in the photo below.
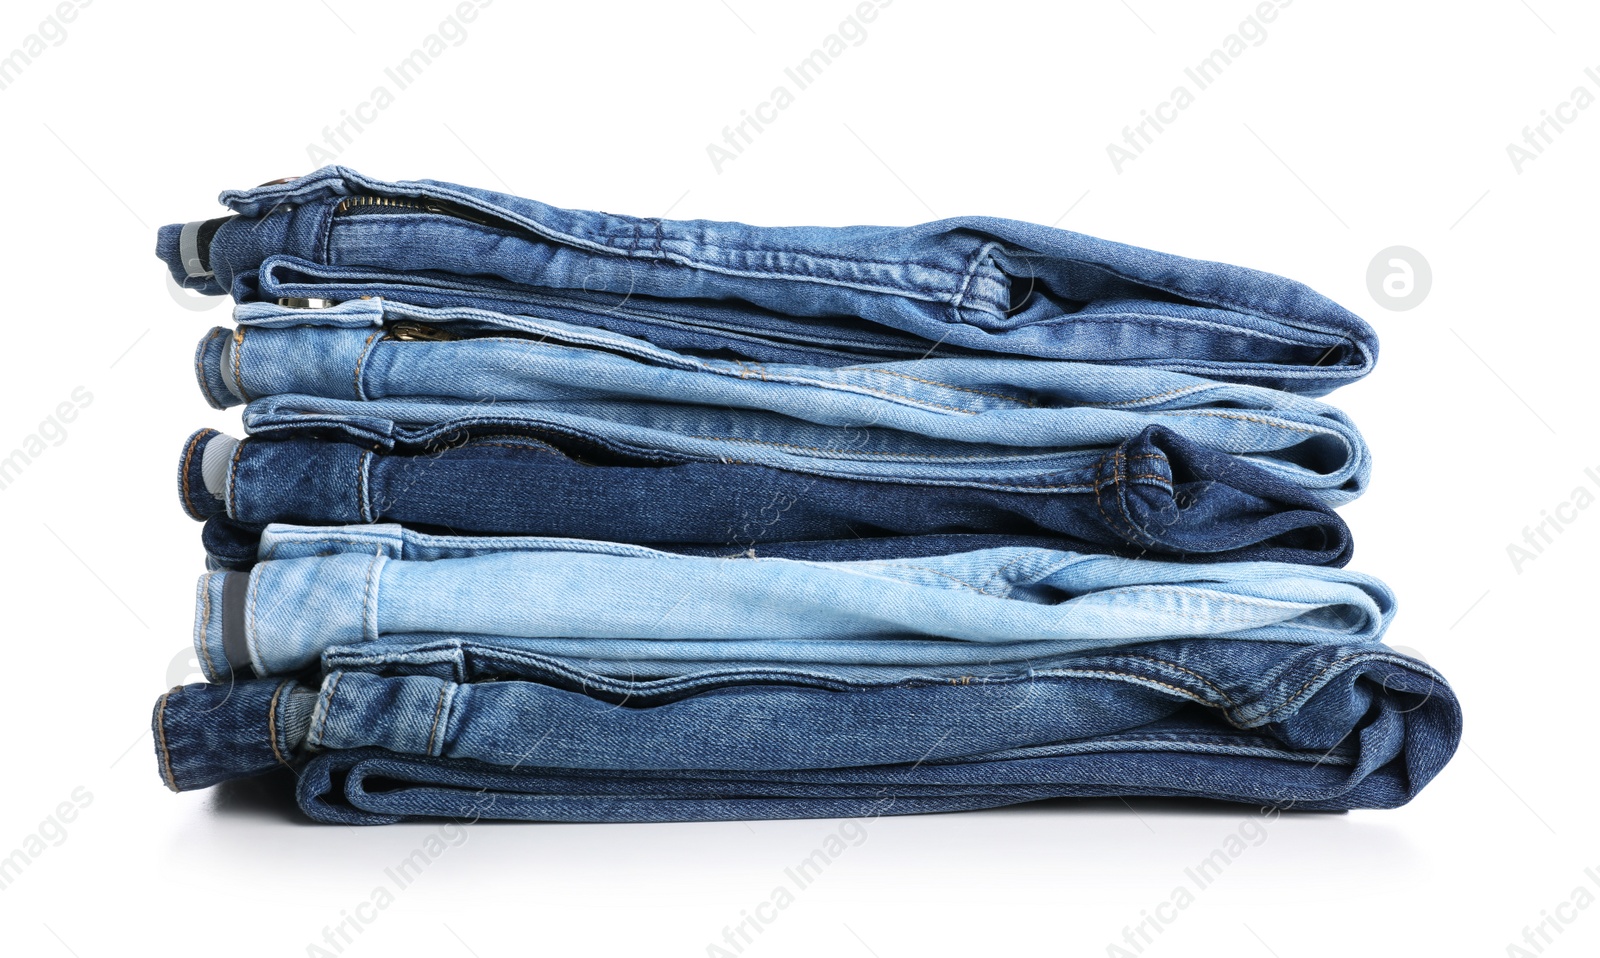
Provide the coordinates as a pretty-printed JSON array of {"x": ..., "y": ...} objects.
[
  {"x": 351, "y": 202},
  {"x": 408, "y": 203},
  {"x": 419, "y": 332},
  {"x": 410, "y": 331}
]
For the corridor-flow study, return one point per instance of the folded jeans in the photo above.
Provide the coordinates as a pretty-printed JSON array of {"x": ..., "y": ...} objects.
[
  {"x": 1156, "y": 495},
  {"x": 1316, "y": 449},
  {"x": 773, "y": 294},
  {"x": 319, "y": 587},
  {"x": 1324, "y": 726}
]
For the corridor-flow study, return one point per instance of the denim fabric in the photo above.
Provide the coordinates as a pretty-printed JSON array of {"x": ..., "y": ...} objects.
[
  {"x": 375, "y": 787},
  {"x": 319, "y": 587},
  {"x": 1316, "y": 448},
  {"x": 1323, "y": 726},
  {"x": 970, "y": 283},
  {"x": 368, "y": 350},
  {"x": 1156, "y": 495},
  {"x": 232, "y": 547},
  {"x": 633, "y": 520},
  {"x": 374, "y": 349}
]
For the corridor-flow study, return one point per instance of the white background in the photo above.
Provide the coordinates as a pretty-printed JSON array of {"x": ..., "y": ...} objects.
[{"x": 1352, "y": 127}]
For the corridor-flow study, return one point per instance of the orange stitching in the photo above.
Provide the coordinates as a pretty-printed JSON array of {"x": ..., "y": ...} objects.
[
  {"x": 1171, "y": 665},
  {"x": 1330, "y": 667},
  {"x": 238, "y": 351},
  {"x": 1129, "y": 535},
  {"x": 1232, "y": 706},
  {"x": 356, "y": 379},
  {"x": 188, "y": 457},
  {"x": 272, "y": 723},
  {"x": 199, "y": 370},
  {"x": 1186, "y": 693},
  {"x": 161, "y": 733},
  {"x": 444, "y": 688}
]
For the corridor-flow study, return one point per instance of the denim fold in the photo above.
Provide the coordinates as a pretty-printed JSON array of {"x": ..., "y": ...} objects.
[
  {"x": 772, "y": 294},
  {"x": 1155, "y": 495},
  {"x": 1328, "y": 726},
  {"x": 545, "y": 514},
  {"x": 317, "y": 587}
]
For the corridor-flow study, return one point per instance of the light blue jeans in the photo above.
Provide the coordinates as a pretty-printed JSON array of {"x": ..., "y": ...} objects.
[{"x": 643, "y": 612}]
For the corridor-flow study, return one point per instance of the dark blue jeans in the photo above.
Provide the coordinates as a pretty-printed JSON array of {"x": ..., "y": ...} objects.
[
  {"x": 1157, "y": 495},
  {"x": 1337, "y": 726}
]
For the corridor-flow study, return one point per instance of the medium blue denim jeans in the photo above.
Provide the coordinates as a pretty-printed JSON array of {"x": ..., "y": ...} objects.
[
  {"x": 631, "y": 611},
  {"x": 1327, "y": 726},
  {"x": 1157, "y": 495},
  {"x": 485, "y": 362},
  {"x": 1314, "y": 448},
  {"x": 815, "y": 295}
]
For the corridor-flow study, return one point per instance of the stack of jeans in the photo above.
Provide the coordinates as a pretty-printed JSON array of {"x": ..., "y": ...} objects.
[{"x": 558, "y": 515}]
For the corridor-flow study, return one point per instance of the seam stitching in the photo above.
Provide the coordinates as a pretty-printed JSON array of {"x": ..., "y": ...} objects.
[
  {"x": 233, "y": 481},
  {"x": 205, "y": 624},
  {"x": 438, "y": 708},
  {"x": 355, "y": 379},
  {"x": 166, "y": 754},
  {"x": 188, "y": 458},
  {"x": 238, "y": 352},
  {"x": 272, "y": 723}
]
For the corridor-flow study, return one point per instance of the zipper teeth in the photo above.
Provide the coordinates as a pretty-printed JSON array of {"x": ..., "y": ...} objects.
[
  {"x": 413, "y": 332},
  {"x": 353, "y": 201},
  {"x": 409, "y": 203}
]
